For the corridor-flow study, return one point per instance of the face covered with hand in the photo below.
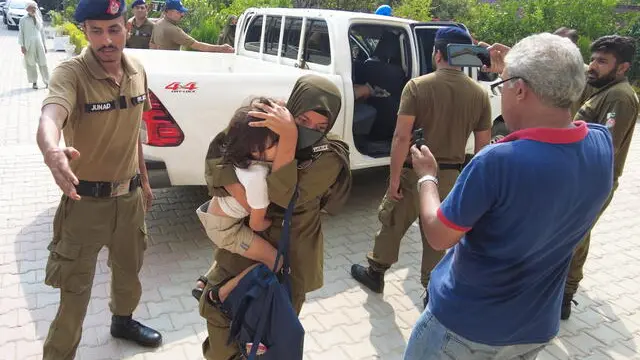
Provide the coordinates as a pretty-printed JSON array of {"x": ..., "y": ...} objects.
[{"x": 314, "y": 103}]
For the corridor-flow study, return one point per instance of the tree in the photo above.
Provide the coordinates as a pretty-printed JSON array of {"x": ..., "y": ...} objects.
[
  {"x": 508, "y": 21},
  {"x": 414, "y": 9},
  {"x": 450, "y": 9}
]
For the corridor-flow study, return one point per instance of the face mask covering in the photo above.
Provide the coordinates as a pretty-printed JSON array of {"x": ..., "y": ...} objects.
[
  {"x": 307, "y": 138},
  {"x": 313, "y": 93}
]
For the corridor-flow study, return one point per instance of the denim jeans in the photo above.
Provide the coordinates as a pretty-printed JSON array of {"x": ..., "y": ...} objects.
[{"x": 430, "y": 340}]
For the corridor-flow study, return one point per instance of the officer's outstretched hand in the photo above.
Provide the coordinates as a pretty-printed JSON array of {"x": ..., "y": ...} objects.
[
  {"x": 57, "y": 159},
  {"x": 424, "y": 163},
  {"x": 226, "y": 48}
]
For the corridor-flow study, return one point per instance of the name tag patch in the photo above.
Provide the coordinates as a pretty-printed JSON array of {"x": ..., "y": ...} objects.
[
  {"x": 139, "y": 99},
  {"x": 98, "y": 107},
  {"x": 321, "y": 148}
]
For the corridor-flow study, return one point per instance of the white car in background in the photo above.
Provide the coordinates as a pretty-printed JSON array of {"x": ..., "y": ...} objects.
[{"x": 13, "y": 11}]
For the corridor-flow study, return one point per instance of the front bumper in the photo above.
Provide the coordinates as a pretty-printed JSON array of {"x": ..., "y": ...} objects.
[{"x": 13, "y": 20}]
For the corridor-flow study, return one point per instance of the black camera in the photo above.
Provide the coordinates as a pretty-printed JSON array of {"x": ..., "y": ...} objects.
[{"x": 418, "y": 138}]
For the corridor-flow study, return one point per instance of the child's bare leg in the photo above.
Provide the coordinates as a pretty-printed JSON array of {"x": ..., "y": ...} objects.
[
  {"x": 261, "y": 250},
  {"x": 231, "y": 284}
]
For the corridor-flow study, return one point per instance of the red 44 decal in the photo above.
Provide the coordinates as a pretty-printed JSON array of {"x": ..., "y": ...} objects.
[{"x": 176, "y": 86}]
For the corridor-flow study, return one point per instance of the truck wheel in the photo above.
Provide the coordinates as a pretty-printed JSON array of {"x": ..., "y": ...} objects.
[{"x": 498, "y": 131}]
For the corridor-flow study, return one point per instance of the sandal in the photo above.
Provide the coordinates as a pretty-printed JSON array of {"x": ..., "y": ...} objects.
[
  {"x": 214, "y": 299},
  {"x": 197, "y": 292}
]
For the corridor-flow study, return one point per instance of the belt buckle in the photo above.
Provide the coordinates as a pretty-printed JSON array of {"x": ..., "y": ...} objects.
[
  {"x": 97, "y": 190},
  {"x": 119, "y": 188}
]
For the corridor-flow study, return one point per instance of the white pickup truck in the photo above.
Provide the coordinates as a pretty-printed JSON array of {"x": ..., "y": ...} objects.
[{"x": 194, "y": 94}]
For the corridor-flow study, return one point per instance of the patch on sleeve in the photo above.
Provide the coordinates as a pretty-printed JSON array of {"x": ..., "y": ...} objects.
[{"x": 611, "y": 120}]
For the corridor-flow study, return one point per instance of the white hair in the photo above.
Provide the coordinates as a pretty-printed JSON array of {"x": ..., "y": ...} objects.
[
  {"x": 34, "y": 5},
  {"x": 551, "y": 66}
]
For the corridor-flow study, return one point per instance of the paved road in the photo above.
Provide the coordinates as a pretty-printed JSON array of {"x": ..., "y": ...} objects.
[{"x": 342, "y": 320}]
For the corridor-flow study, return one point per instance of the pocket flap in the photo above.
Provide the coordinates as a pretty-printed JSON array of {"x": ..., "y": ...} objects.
[{"x": 67, "y": 250}]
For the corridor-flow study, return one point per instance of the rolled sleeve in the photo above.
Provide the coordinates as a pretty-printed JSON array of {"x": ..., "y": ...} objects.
[
  {"x": 484, "y": 122},
  {"x": 180, "y": 37},
  {"x": 147, "y": 102},
  {"x": 408, "y": 100},
  {"x": 63, "y": 88},
  {"x": 472, "y": 196}
]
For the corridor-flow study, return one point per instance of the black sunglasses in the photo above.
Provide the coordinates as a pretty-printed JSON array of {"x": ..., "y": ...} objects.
[{"x": 493, "y": 86}]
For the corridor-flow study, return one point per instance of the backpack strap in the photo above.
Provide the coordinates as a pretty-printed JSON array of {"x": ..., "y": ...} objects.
[{"x": 283, "y": 244}]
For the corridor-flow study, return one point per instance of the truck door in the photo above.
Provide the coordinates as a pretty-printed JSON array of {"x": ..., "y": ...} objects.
[{"x": 424, "y": 36}]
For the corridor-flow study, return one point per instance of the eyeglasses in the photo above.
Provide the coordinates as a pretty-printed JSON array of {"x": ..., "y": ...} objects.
[{"x": 499, "y": 83}]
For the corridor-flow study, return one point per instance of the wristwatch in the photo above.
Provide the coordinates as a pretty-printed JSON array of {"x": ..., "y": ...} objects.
[{"x": 425, "y": 178}]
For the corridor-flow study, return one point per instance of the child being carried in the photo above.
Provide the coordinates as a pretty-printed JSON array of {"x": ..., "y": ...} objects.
[{"x": 248, "y": 149}]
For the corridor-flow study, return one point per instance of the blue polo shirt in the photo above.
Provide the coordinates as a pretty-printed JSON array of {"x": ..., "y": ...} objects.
[{"x": 524, "y": 204}]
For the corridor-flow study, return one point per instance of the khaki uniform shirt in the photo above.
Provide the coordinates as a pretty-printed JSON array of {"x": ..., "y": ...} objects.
[
  {"x": 168, "y": 36},
  {"x": 448, "y": 105},
  {"x": 140, "y": 36},
  {"x": 615, "y": 106},
  {"x": 104, "y": 118}
]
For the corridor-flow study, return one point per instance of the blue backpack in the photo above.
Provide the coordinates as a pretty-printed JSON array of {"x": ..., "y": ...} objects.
[{"x": 261, "y": 310}]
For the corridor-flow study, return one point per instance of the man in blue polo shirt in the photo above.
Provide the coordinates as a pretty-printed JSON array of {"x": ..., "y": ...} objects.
[{"x": 515, "y": 215}]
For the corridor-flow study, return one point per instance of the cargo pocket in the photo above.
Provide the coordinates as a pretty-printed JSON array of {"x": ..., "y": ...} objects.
[
  {"x": 63, "y": 257},
  {"x": 144, "y": 237},
  {"x": 385, "y": 212}
]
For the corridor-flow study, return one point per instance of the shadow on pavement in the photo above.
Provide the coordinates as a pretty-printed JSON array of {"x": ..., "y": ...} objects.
[{"x": 177, "y": 253}]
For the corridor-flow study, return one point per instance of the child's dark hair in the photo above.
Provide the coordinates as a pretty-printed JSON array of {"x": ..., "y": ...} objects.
[{"x": 242, "y": 139}]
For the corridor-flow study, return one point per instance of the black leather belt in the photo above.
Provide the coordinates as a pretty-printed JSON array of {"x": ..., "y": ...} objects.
[
  {"x": 440, "y": 166},
  {"x": 103, "y": 189}
]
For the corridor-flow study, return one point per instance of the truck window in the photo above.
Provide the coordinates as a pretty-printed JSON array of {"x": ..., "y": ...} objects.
[
  {"x": 317, "y": 48},
  {"x": 425, "y": 36},
  {"x": 272, "y": 35},
  {"x": 291, "y": 39},
  {"x": 252, "y": 37}
]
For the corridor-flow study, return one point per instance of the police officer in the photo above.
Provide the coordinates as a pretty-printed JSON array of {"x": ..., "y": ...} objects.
[
  {"x": 228, "y": 34},
  {"x": 168, "y": 36},
  {"x": 96, "y": 100},
  {"x": 448, "y": 105},
  {"x": 612, "y": 103},
  {"x": 139, "y": 26}
]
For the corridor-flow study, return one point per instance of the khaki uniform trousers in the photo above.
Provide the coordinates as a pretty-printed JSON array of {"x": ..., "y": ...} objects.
[
  {"x": 215, "y": 346},
  {"x": 80, "y": 229},
  {"x": 582, "y": 251},
  {"x": 397, "y": 216}
]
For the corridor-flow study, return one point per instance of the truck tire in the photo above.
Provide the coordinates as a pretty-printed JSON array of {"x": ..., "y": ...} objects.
[{"x": 499, "y": 130}]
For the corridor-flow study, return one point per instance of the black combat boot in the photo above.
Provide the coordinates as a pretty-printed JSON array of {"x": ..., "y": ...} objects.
[
  {"x": 124, "y": 327},
  {"x": 368, "y": 277},
  {"x": 565, "y": 310}
]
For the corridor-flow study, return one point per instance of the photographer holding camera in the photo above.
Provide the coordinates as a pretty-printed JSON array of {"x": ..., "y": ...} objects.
[
  {"x": 515, "y": 214},
  {"x": 447, "y": 105}
]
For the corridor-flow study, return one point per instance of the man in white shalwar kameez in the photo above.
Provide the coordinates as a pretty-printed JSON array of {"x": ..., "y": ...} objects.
[{"x": 31, "y": 39}]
